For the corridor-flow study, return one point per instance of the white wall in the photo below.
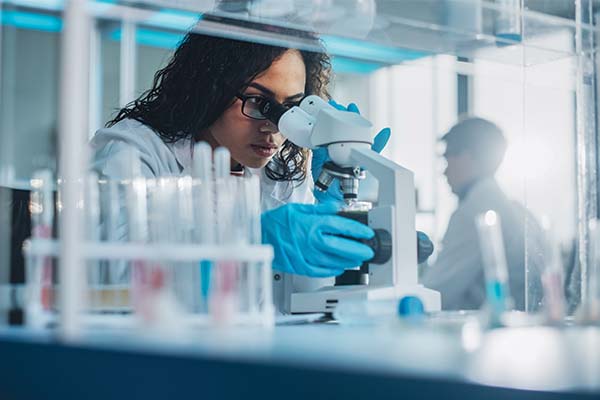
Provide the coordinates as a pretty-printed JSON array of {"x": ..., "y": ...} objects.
[{"x": 417, "y": 100}]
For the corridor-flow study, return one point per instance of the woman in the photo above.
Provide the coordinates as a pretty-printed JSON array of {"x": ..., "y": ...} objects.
[{"x": 210, "y": 91}]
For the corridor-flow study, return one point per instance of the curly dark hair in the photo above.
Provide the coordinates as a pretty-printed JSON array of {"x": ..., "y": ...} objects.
[{"x": 200, "y": 82}]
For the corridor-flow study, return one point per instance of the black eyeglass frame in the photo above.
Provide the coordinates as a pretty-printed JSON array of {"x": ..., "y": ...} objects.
[{"x": 245, "y": 97}]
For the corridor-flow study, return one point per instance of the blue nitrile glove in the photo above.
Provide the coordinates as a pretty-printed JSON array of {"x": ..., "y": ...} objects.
[
  {"x": 307, "y": 242},
  {"x": 320, "y": 157},
  {"x": 424, "y": 247}
]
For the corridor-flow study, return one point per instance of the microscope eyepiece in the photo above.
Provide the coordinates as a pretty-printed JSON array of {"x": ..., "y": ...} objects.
[{"x": 273, "y": 110}]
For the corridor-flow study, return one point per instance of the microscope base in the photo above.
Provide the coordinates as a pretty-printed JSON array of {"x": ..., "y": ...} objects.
[{"x": 327, "y": 298}]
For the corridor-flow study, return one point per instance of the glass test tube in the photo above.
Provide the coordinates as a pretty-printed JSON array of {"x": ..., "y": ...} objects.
[
  {"x": 137, "y": 212},
  {"x": 92, "y": 225},
  {"x": 552, "y": 276},
  {"x": 223, "y": 295},
  {"x": 114, "y": 196},
  {"x": 185, "y": 273},
  {"x": 204, "y": 213},
  {"x": 590, "y": 309},
  {"x": 162, "y": 225},
  {"x": 41, "y": 207},
  {"x": 494, "y": 262},
  {"x": 252, "y": 202}
]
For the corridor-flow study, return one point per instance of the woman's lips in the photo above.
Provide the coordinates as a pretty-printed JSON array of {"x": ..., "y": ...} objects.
[{"x": 264, "y": 151}]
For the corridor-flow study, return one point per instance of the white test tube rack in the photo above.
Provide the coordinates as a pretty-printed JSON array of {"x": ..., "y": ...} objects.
[{"x": 255, "y": 256}]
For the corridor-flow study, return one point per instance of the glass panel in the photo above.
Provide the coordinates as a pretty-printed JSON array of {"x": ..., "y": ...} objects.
[
  {"x": 29, "y": 63},
  {"x": 466, "y": 28},
  {"x": 109, "y": 71},
  {"x": 535, "y": 109},
  {"x": 30, "y": 87},
  {"x": 529, "y": 71}
]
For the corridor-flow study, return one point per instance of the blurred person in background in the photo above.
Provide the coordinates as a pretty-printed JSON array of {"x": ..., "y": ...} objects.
[{"x": 475, "y": 148}]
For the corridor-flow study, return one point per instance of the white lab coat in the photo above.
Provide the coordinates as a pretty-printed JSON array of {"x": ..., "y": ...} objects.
[
  {"x": 109, "y": 159},
  {"x": 458, "y": 271}
]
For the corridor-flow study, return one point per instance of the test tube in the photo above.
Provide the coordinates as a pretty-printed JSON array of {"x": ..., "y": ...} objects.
[
  {"x": 116, "y": 209},
  {"x": 589, "y": 310},
  {"x": 41, "y": 207},
  {"x": 162, "y": 221},
  {"x": 224, "y": 297},
  {"x": 251, "y": 197},
  {"x": 222, "y": 163},
  {"x": 204, "y": 213},
  {"x": 162, "y": 208},
  {"x": 160, "y": 309},
  {"x": 254, "y": 293},
  {"x": 92, "y": 207},
  {"x": 137, "y": 212},
  {"x": 92, "y": 224},
  {"x": 113, "y": 210},
  {"x": 552, "y": 276},
  {"x": 494, "y": 263},
  {"x": 185, "y": 273},
  {"x": 185, "y": 212}
]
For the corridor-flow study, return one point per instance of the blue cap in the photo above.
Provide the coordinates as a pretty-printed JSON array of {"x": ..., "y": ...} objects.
[{"x": 410, "y": 307}]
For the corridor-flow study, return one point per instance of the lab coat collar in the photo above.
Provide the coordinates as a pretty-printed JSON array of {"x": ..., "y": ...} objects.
[
  {"x": 183, "y": 151},
  {"x": 278, "y": 191}
]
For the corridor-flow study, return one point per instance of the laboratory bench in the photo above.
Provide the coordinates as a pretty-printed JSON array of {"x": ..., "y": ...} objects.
[{"x": 311, "y": 361}]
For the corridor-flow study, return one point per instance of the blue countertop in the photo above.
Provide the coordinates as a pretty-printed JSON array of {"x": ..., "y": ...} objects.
[{"x": 314, "y": 361}]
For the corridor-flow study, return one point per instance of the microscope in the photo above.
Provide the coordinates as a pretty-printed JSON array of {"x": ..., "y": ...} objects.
[{"x": 392, "y": 273}]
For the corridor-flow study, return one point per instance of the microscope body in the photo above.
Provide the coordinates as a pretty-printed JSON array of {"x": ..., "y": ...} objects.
[
  {"x": 348, "y": 138},
  {"x": 395, "y": 213}
]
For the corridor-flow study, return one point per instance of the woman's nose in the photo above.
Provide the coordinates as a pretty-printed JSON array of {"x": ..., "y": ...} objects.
[{"x": 268, "y": 127}]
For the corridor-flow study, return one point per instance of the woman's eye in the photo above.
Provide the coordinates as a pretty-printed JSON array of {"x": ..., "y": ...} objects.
[{"x": 256, "y": 100}]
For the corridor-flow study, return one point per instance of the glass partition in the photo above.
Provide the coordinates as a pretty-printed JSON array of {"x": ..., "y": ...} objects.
[{"x": 527, "y": 66}]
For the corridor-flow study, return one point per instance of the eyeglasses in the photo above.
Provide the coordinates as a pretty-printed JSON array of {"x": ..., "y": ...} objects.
[{"x": 252, "y": 104}]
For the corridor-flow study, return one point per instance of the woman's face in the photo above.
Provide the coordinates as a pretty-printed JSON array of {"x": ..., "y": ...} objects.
[{"x": 252, "y": 142}]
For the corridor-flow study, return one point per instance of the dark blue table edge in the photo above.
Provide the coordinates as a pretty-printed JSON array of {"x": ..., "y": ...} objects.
[{"x": 38, "y": 369}]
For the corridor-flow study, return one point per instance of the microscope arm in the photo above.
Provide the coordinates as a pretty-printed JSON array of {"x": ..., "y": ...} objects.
[{"x": 395, "y": 212}]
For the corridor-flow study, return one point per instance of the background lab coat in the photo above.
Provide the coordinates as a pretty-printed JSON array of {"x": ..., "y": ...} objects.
[
  {"x": 109, "y": 159},
  {"x": 458, "y": 270}
]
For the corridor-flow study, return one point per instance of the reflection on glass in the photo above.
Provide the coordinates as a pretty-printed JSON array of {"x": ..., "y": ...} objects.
[{"x": 474, "y": 152}]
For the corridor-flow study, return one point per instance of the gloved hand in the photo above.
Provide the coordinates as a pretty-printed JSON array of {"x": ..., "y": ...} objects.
[
  {"x": 320, "y": 157},
  {"x": 424, "y": 247},
  {"x": 306, "y": 239}
]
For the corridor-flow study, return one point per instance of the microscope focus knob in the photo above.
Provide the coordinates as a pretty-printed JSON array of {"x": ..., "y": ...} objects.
[{"x": 381, "y": 244}]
